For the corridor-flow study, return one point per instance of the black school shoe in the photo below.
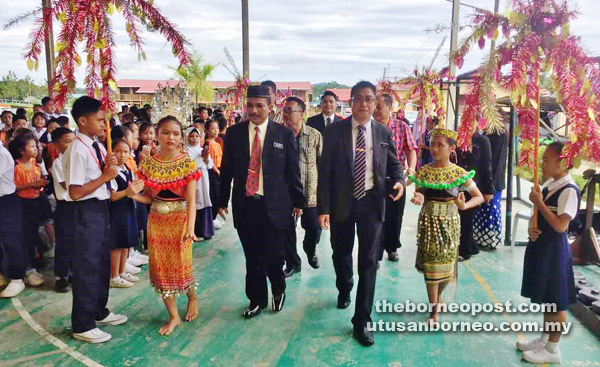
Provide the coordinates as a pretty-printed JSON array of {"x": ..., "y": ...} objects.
[
  {"x": 393, "y": 256},
  {"x": 313, "y": 261},
  {"x": 278, "y": 302},
  {"x": 288, "y": 272},
  {"x": 343, "y": 301},
  {"x": 61, "y": 285},
  {"x": 252, "y": 311},
  {"x": 364, "y": 336}
]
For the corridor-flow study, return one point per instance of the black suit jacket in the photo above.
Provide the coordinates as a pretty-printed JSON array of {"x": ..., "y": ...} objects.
[
  {"x": 281, "y": 172},
  {"x": 336, "y": 169},
  {"x": 318, "y": 122}
]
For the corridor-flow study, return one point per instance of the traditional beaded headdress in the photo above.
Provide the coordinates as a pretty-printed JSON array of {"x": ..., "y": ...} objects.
[{"x": 450, "y": 134}]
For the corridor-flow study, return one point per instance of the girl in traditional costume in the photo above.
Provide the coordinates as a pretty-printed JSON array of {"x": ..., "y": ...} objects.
[
  {"x": 438, "y": 189},
  {"x": 169, "y": 178}
]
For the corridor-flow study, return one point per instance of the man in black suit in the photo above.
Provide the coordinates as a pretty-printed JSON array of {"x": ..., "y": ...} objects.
[
  {"x": 327, "y": 117},
  {"x": 261, "y": 158},
  {"x": 358, "y": 155}
]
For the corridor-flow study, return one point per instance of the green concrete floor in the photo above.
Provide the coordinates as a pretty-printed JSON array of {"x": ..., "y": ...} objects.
[{"x": 310, "y": 331}]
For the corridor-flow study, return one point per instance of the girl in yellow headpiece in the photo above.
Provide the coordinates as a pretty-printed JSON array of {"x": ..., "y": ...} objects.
[{"x": 438, "y": 189}]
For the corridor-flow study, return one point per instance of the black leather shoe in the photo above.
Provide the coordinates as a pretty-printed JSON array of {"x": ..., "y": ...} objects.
[
  {"x": 343, "y": 301},
  {"x": 61, "y": 285},
  {"x": 278, "y": 302},
  {"x": 313, "y": 261},
  {"x": 251, "y": 311},
  {"x": 364, "y": 336},
  {"x": 288, "y": 272},
  {"x": 393, "y": 256}
]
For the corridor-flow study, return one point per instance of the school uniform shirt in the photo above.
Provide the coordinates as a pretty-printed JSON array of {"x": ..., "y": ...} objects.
[
  {"x": 568, "y": 200},
  {"x": 203, "y": 184},
  {"x": 263, "y": 132},
  {"x": 81, "y": 166},
  {"x": 58, "y": 176},
  {"x": 25, "y": 176},
  {"x": 7, "y": 172}
]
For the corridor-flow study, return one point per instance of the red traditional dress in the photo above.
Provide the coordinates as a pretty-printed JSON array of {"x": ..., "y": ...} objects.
[{"x": 171, "y": 271}]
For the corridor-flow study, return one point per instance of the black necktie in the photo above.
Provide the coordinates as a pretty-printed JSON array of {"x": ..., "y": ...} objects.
[
  {"x": 100, "y": 161},
  {"x": 98, "y": 155},
  {"x": 328, "y": 121},
  {"x": 360, "y": 164}
]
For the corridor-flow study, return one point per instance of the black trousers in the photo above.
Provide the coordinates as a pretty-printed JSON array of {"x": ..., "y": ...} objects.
[
  {"x": 369, "y": 230},
  {"x": 312, "y": 235},
  {"x": 32, "y": 216},
  {"x": 394, "y": 211},
  {"x": 467, "y": 247},
  {"x": 11, "y": 235},
  {"x": 91, "y": 262},
  {"x": 64, "y": 239},
  {"x": 263, "y": 247}
]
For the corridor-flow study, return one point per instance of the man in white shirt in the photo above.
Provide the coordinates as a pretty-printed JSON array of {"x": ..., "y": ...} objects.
[
  {"x": 358, "y": 156},
  {"x": 261, "y": 158},
  {"x": 11, "y": 226},
  {"x": 327, "y": 116},
  {"x": 88, "y": 172}
]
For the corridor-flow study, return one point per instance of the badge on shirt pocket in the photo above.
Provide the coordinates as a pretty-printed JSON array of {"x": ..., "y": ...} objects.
[{"x": 277, "y": 145}]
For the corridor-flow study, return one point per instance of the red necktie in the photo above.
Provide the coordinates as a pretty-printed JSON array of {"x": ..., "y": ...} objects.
[{"x": 254, "y": 166}]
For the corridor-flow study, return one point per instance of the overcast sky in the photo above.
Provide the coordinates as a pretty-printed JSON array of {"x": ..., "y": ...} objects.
[{"x": 307, "y": 40}]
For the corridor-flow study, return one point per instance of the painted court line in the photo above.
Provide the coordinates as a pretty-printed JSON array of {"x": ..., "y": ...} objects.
[
  {"x": 18, "y": 361},
  {"x": 51, "y": 338},
  {"x": 486, "y": 287}
]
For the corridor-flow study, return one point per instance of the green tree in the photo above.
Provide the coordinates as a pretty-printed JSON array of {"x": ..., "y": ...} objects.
[
  {"x": 320, "y": 88},
  {"x": 196, "y": 75},
  {"x": 11, "y": 87}
]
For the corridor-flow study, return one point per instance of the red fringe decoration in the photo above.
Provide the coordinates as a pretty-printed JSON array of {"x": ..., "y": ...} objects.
[
  {"x": 537, "y": 40},
  {"x": 171, "y": 184},
  {"x": 88, "y": 22}
]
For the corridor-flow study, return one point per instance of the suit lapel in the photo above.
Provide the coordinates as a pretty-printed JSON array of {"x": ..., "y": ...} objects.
[
  {"x": 246, "y": 143},
  {"x": 375, "y": 133},
  {"x": 347, "y": 143},
  {"x": 268, "y": 144}
]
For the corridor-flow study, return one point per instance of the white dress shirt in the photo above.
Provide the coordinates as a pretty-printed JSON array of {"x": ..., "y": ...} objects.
[
  {"x": 368, "y": 148},
  {"x": 58, "y": 176},
  {"x": 332, "y": 117},
  {"x": 81, "y": 166},
  {"x": 263, "y": 132},
  {"x": 7, "y": 172}
]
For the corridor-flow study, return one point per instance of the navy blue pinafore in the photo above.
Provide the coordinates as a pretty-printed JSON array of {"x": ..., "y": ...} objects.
[{"x": 548, "y": 265}]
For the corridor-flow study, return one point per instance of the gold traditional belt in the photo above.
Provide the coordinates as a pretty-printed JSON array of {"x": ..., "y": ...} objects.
[
  {"x": 440, "y": 208},
  {"x": 165, "y": 207}
]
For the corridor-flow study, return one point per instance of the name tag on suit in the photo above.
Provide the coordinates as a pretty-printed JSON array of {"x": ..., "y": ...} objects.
[{"x": 277, "y": 145}]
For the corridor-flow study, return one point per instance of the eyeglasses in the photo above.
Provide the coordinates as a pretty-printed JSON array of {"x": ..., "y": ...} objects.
[
  {"x": 361, "y": 99},
  {"x": 289, "y": 110}
]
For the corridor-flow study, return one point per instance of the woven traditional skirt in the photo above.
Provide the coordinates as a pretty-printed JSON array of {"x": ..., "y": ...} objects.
[
  {"x": 171, "y": 272},
  {"x": 438, "y": 238}
]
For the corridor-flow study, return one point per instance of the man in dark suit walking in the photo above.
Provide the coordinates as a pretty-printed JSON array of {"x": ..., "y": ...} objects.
[
  {"x": 261, "y": 158},
  {"x": 358, "y": 155},
  {"x": 327, "y": 116}
]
